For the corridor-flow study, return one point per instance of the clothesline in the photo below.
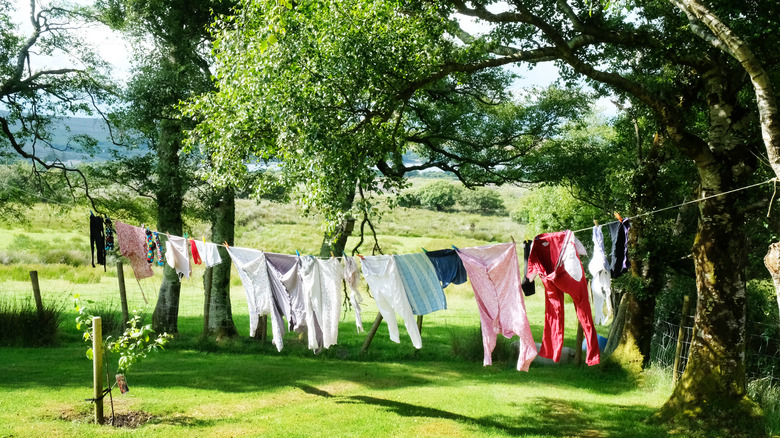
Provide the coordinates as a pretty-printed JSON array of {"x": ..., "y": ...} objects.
[{"x": 688, "y": 202}]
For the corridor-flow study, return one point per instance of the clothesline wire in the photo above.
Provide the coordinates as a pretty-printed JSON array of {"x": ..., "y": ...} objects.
[{"x": 687, "y": 203}]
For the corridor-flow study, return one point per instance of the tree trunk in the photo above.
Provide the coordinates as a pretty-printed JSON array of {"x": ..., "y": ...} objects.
[
  {"x": 711, "y": 392},
  {"x": 222, "y": 230},
  {"x": 336, "y": 241},
  {"x": 772, "y": 263},
  {"x": 169, "y": 207}
]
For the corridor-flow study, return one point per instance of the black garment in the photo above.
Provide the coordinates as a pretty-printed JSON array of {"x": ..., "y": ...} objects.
[
  {"x": 619, "y": 264},
  {"x": 96, "y": 238},
  {"x": 449, "y": 267},
  {"x": 528, "y": 286}
]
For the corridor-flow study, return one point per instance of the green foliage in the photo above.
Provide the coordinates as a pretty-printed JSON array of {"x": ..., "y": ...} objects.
[
  {"x": 22, "y": 326},
  {"x": 766, "y": 393},
  {"x": 134, "y": 344},
  {"x": 481, "y": 200},
  {"x": 553, "y": 208},
  {"x": 439, "y": 195}
]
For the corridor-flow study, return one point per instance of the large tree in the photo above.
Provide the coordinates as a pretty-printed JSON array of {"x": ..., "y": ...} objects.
[
  {"x": 393, "y": 53},
  {"x": 173, "y": 64}
]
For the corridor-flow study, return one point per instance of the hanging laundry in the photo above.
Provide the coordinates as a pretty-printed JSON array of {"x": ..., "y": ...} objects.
[
  {"x": 495, "y": 276},
  {"x": 132, "y": 244},
  {"x": 322, "y": 301},
  {"x": 421, "y": 284},
  {"x": 178, "y": 257},
  {"x": 351, "y": 276},
  {"x": 285, "y": 268},
  {"x": 449, "y": 267},
  {"x": 554, "y": 258},
  {"x": 381, "y": 274},
  {"x": 97, "y": 239},
  {"x": 149, "y": 246},
  {"x": 109, "y": 235},
  {"x": 279, "y": 294},
  {"x": 160, "y": 253},
  {"x": 529, "y": 287},
  {"x": 600, "y": 283},
  {"x": 209, "y": 252},
  {"x": 252, "y": 268},
  {"x": 618, "y": 231},
  {"x": 195, "y": 254}
]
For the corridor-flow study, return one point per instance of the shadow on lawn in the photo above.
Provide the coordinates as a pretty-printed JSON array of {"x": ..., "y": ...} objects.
[{"x": 541, "y": 416}]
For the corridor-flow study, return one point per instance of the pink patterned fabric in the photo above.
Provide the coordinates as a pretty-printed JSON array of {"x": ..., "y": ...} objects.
[
  {"x": 132, "y": 244},
  {"x": 495, "y": 276}
]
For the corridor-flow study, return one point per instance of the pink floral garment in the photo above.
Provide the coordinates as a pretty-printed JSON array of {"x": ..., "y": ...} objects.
[
  {"x": 494, "y": 273},
  {"x": 132, "y": 244}
]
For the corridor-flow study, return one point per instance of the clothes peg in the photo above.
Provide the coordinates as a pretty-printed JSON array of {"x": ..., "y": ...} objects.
[
  {"x": 226, "y": 244},
  {"x": 424, "y": 250},
  {"x": 331, "y": 254},
  {"x": 185, "y": 235},
  {"x": 513, "y": 239},
  {"x": 595, "y": 222},
  {"x": 617, "y": 216},
  {"x": 297, "y": 253},
  {"x": 344, "y": 254},
  {"x": 454, "y": 247}
]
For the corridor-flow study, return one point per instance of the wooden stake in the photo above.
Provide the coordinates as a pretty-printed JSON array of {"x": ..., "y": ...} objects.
[
  {"x": 371, "y": 333},
  {"x": 419, "y": 323},
  {"x": 120, "y": 275},
  {"x": 97, "y": 367},
  {"x": 680, "y": 338},
  {"x": 578, "y": 349},
  {"x": 37, "y": 293},
  {"x": 208, "y": 277}
]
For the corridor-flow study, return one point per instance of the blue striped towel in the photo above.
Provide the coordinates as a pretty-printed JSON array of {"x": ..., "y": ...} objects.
[{"x": 421, "y": 284}]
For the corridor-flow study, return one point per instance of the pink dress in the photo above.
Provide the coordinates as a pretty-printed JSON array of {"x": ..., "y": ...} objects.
[
  {"x": 132, "y": 244},
  {"x": 495, "y": 276}
]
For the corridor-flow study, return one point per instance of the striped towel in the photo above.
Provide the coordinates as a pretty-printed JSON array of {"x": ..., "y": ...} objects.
[{"x": 421, "y": 284}]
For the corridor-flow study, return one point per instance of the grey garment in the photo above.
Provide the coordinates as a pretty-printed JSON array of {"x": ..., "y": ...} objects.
[
  {"x": 281, "y": 299},
  {"x": 285, "y": 268}
]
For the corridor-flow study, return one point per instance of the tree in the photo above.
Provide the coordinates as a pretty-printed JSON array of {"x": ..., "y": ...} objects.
[
  {"x": 33, "y": 97},
  {"x": 352, "y": 53},
  {"x": 176, "y": 69},
  {"x": 438, "y": 195}
]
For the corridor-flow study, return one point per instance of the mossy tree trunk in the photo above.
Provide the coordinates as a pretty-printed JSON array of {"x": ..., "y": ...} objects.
[
  {"x": 712, "y": 387},
  {"x": 335, "y": 242},
  {"x": 170, "y": 194},
  {"x": 220, "y": 322}
]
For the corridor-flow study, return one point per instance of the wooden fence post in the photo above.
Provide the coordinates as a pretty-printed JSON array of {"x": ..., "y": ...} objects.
[
  {"x": 371, "y": 333},
  {"x": 120, "y": 275},
  {"x": 37, "y": 293},
  {"x": 578, "y": 349},
  {"x": 680, "y": 337},
  {"x": 97, "y": 367}
]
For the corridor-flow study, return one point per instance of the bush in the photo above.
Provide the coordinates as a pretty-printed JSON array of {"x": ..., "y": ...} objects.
[
  {"x": 482, "y": 200},
  {"x": 409, "y": 200},
  {"x": 439, "y": 195},
  {"x": 21, "y": 326}
]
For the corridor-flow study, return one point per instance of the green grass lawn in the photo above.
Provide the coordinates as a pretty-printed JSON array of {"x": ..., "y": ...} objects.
[{"x": 243, "y": 387}]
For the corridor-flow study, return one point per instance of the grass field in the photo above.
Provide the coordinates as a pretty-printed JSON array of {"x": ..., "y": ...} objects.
[{"x": 244, "y": 387}]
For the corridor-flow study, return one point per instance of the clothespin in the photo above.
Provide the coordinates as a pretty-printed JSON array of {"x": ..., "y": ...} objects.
[
  {"x": 595, "y": 222},
  {"x": 618, "y": 217},
  {"x": 424, "y": 250},
  {"x": 454, "y": 247},
  {"x": 91, "y": 214},
  {"x": 513, "y": 239},
  {"x": 185, "y": 235},
  {"x": 297, "y": 253},
  {"x": 226, "y": 245},
  {"x": 331, "y": 254},
  {"x": 204, "y": 238}
]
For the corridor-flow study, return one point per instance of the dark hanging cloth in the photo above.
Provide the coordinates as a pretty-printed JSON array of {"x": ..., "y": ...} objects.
[
  {"x": 97, "y": 239},
  {"x": 449, "y": 267},
  {"x": 528, "y": 286},
  {"x": 619, "y": 263}
]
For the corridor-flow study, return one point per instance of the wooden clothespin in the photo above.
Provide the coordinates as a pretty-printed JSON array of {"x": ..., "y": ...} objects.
[
  {"x": 331, "y": 254},
  {"x": 617, "y": 216},
  {"x": 595, "y": 222},
  {"x": 226, "y": 244},
  {"x": 513, "y": 238}
]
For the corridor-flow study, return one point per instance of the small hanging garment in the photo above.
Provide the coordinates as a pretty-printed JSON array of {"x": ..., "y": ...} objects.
[
  {"x": 160, "y": 253},
  {"x": 209, "y": 252},
  {"x": 600, "y": 283},
  {"x": 318, "y": 292},
  {"x": 97, "y": 239},
  {"x": 252, "y": 268},
  {"x": 285, "y": 268},
  {"x": 529, "y": 287},
  {"x": 381, "y": 274},
  {"x": 421, "y": 284},
  {"x": 195, "y": 254},
  {"x": 178, "y": 257},
  {"x": 554, "y": 258},
  {"x": 351, "y": 276},
  {"x": 495, "y": 276},
  {"x": 109, "y": 235},
  {"x": 331, "y": 276},
  {"x": 132, "y": 244},
  {"x": 618, "y": 231},
  {"x": 449, "y": 267},
  {"x": 281, "y": 298}
]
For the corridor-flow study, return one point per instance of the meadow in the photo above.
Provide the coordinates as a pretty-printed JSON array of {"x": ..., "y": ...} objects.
[{"x": 244, "y": 387}]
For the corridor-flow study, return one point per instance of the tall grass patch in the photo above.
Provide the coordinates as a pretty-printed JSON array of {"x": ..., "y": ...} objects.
[
  {"x": 22, "y": 326},
  {"x": 766, "y": 393}
]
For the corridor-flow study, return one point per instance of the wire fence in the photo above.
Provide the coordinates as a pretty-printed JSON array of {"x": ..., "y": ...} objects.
[{"x": 762, "y": 352}]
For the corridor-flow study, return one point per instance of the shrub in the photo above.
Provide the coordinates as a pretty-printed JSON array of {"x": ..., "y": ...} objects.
[
  {"x": 481, "y": 199},
  {"x": 21, "y": 326},
  {"x": 439, "y": 195},
  {"x": 409, "y": 200}
]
